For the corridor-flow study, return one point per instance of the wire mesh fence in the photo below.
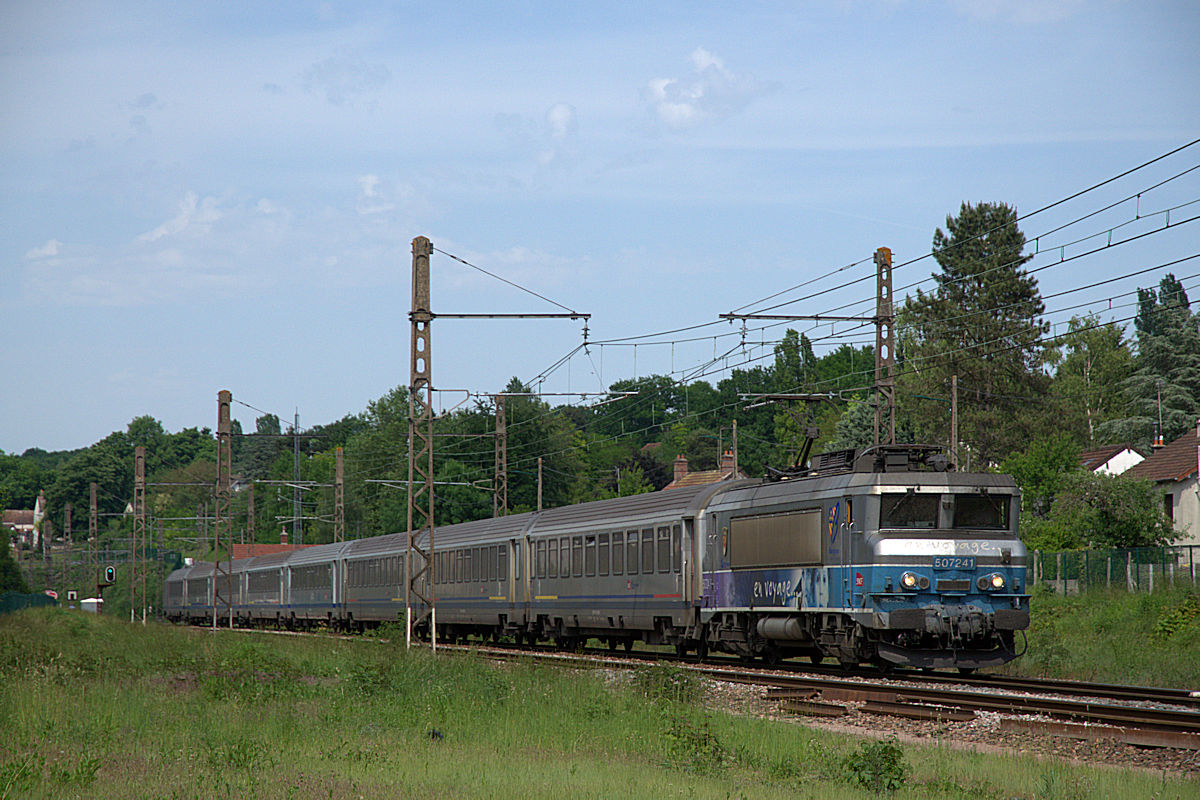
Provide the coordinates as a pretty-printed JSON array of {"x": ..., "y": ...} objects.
[{"x": 1137, "y": 570}]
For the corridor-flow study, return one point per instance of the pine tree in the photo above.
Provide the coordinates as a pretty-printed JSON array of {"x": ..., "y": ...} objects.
[
  {"x": 983, "y": 323},
  {"x": 1165, "y": 383}
]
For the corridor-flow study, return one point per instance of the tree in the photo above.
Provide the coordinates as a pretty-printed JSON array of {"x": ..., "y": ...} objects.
[
  {"x": 983, "y": 323},
  {"x": 11, "y": 579},
  {"x": 1101, "y": 511},
  {"x": 1165, "y": 383},
  {"x": 1040, "y": 470},
  {"x": 1096, "y": 359}
]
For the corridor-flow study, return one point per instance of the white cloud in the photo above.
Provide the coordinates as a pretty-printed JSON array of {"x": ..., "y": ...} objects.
[
  {"x": 710, "y": 91},
  {"x": 562, "y": 129},
  {"x": 342, "y": 78},
  {"x": 50, "y": 248},
  {"x": 368, "y": 184},
  {"x": 195, "y": 215}
]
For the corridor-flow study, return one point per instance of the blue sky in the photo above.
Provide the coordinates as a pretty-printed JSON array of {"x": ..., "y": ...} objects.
[{"x": 196, "y": 197}]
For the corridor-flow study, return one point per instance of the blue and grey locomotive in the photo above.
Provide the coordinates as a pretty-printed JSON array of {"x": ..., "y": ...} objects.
[{"x": 882, "y": 555}]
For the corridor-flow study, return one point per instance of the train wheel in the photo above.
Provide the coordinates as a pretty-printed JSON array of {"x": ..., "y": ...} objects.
[
  {"x": 816, "y": 658},
  {"x": 612, "y": 643},
  {"x": 681, "y": 649},
  {"x": 701, "y": 650},
  {"x": 629, "y": 645}
]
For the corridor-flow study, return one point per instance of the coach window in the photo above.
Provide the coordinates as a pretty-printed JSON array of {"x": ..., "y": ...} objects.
[
  {"x": 602, "y": 554},
  {"x": 553, "y": 545},
  {"x": 589, "y": 556},
  {"x": 502, "y": 563},
  {"x": 664, "y": 549},
  {"x": 564, "y": 557},
  {"x": 494, "y": 563},
  {"x": 618, "y": 553},
  {"x": 539, "y": 559},
  {"x": 631, "y": 553},
  {"x": 577, "y": 556},
  {"x": 478, "y": 568},
  {"x": 676, "y": 549},
  {"x": 647, "y": 551}
]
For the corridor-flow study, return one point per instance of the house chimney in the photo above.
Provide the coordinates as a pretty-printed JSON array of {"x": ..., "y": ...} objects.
[
  {"x": 681, "y": 467},
  {"x": 727, "y": 463},
  {"x": 283, "y": 536}
]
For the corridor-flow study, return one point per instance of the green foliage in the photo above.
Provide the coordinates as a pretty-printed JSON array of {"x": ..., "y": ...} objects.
[
  {"x": 1101, "y": 511},
  {"x": 982, "y": 323},
  {"x": 1095, "y": 359},
  {"x": 1166, "y": 379},
  {"x": 664, "y": 682},
  {"x": 691, "y": 744},
  {"x": 11, "y": 579},
  {"x": 1040, "y": 470},
  {"x": 878, "y": 766},
  {"x": 1182, "y": 616}
]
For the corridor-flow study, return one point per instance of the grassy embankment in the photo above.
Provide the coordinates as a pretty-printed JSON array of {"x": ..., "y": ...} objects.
[
  {"x": 1115, "y": 637},
  {"x": 97, "y": 707}
]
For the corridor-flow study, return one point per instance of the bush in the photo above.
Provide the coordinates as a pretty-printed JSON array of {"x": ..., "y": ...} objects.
[{"x": 878, "y": 766}]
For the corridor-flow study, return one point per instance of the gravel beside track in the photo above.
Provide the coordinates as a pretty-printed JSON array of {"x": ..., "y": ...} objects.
[{"x": 981, "y": 734}]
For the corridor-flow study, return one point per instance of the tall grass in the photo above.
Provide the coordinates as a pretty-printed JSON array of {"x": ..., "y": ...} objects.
[
  {"x": 96, "y": 707},
  {"x": 1115, "y": 637}
]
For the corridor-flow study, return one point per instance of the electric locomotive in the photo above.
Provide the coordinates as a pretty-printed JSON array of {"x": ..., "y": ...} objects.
[{"x": 883, "y": 555}]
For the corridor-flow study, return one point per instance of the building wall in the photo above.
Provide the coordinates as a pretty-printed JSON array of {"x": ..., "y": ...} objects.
[{"x": 1185, "y": 502}]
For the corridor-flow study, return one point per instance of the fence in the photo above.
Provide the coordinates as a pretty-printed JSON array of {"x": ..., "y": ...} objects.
[
  {"x": 15, "y": 601},
  {"x": 1137, "y": 570}
]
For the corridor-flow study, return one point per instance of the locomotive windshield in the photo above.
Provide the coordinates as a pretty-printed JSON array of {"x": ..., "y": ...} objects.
[
  {"x": 963, "y": 511},
  {"x": 908, "y": 510},
  {"x": 981, "y": 511}
]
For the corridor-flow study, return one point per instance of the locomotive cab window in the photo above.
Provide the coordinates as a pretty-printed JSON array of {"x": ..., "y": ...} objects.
[
  {"x": 908, "y": 510},
  {"x": 988, "y": 511}
]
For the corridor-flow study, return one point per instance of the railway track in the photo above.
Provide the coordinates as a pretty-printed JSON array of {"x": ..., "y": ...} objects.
[{"x": 1137, "y": 715}]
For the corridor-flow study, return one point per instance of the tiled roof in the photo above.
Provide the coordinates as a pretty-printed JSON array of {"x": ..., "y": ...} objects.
[
  {"x": 1175, "y": 462},
  {"x": 18, "y": 517},
  {"x": 1094, "y": 459},
  {"x": 703, "y": 477},
  {"x": 250, "y": 550}
]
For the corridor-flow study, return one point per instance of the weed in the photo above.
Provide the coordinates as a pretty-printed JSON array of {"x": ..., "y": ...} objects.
[
  {"x": 1178, "y": 617},
  {"x": 691, "y": 744},
  {"x": 17, "y": 777},
  {"x": 668, "y": 683},
  {"x": 878, "y": 766}
]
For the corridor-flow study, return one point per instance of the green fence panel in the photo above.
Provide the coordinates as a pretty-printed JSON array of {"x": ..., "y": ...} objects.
[{"x": 15, "y": 601}]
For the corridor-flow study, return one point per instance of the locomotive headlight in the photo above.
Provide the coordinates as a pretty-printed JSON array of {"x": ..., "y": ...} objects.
[
  {"x": 993, "y": 582},
  {"x": 908, "y": 580}
]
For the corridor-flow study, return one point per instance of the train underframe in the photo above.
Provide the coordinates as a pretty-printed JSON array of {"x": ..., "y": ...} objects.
[{"x": 941, "y": 637}]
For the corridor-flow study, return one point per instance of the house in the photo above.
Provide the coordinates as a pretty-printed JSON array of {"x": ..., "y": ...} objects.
[
  {"x": 25, "y": 524},
  {"x": 1175, "y": 470},
  {"x": 1111, "y": 460},
  {"x": 259, "y": 549},
  {"x": 683, "y": 477}
]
